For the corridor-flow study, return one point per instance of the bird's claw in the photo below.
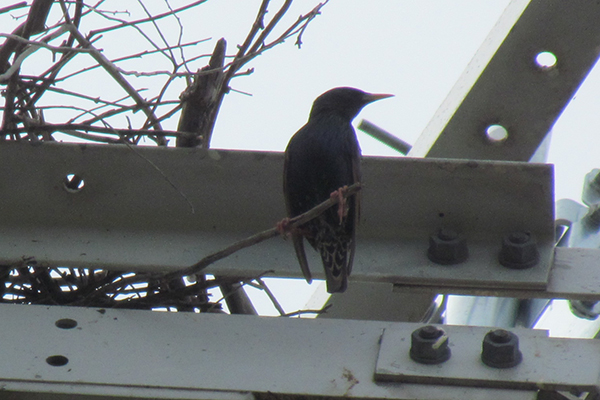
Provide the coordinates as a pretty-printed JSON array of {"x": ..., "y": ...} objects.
[
  {"x": 342, "y": 205},
  {"x": 283, "y": 227}
]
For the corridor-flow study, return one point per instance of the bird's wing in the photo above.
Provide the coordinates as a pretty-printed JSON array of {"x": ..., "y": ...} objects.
[
  {"x": 356, "y": 177},
  {"x": 297, "y": 238}
]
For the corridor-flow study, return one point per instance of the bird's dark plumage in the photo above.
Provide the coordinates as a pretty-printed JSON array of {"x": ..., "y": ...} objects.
[{"x": 322, "y": 157}]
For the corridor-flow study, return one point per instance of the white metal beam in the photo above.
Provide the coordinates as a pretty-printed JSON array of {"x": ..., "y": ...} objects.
[
  {"x": 181, "y": 355},
  {"x": 504, "y": 85},
  {"x": 128, "y": 217}
]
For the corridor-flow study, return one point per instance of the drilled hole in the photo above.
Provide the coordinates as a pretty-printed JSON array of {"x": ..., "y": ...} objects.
[
  {"x": 66, "y": 323},
  {"x": 73, "y": 183},
  {"x": 496, "y": 133},
  {"x": 57, "y": 361},
  {"x": 545, "y": 60}
]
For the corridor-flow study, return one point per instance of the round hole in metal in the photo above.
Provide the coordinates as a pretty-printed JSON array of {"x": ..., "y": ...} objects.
[
  {"x": 57, "y": 360},
  {"x": 66, "y": 323}
]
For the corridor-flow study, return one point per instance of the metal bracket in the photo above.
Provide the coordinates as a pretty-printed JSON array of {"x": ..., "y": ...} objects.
[
  {"x": 548, "y": 363},
  {"x": 573, "y": 275},
  {"x": 504, "y": 85}
]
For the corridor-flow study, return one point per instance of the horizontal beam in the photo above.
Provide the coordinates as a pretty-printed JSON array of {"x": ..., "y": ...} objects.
[
  {"x": 133, "y": 212},
  {"x": 573, "y": 275},
  {"x": 187, "y": 354}
]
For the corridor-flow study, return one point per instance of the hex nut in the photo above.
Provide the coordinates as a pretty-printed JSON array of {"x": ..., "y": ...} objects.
[
  {"x": 500, "y": 349},
  {"x": 519, "y": 251},
  {"x": 429, "y": 345},
  {"x": 447, "y": 247}
]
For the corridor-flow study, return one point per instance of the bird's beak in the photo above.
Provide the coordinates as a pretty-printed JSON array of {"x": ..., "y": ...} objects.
[{"x": 371, "y": 97}]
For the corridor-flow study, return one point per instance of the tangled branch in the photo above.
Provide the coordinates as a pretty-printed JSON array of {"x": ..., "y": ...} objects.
[
  {"x": 199, "y": 105},
  {"x": 59, "y": 77}
]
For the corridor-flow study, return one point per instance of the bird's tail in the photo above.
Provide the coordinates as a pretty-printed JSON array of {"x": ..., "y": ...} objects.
[
  {"x": 298, "y": 241},
  {"x": 335, "y": 260}
]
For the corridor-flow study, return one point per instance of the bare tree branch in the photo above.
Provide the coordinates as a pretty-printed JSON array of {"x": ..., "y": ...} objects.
[
  {"x": 144, "y": 20},
  {"x": 91, "y": 128},
  {"x": 242, "y": 244},
  {"x": 95, "y": 116}
]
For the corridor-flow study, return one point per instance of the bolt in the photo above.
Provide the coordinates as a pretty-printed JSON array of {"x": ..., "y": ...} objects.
[
  {"x": 585, "y": 309},
  {"x": 447, "y": 247},
  {"x": 430, "y": 332},
  {"x": 593, "y": 216},
  {"x": 519, "y": 251},
  {"x": 429, "y": 345},
  {"x": 591, "y": 188},
  {"x": 518, "y": 237},
  {"x": 447, "y": 235},
  {"x": 500, "y": 349},
  {"x": 500, "y": 336}
]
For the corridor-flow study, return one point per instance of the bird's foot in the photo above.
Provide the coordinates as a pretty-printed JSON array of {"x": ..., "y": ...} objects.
[
  {"x": 284, "y": 227},
  {"x": 342, "y": 205}
]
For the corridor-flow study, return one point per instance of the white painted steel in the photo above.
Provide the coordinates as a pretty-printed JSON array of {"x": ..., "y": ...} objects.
[
  {"x": 548, "y": 363},
  {"x": 129, "y": 217},
  {"x": 131, "y": 352},
  {"x": 504, "y": 85}
]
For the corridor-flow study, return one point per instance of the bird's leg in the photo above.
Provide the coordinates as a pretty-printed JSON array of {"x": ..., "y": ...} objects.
[
  {"x": 342, "y": 205},
  {"x": 283, "y": 227}
]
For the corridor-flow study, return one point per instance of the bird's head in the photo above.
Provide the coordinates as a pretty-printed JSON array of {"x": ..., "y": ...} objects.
[{"x": 344, "y": 101}]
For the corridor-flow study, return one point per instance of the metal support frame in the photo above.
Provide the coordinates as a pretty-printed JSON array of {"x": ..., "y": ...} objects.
[
  {"x": 128, "y": 206},
  {"x": 574, "y": 275},
  {"x": 503, "y": 85},
  {"x": 128, "y": 217},
  {"x": 185, "y": 355},
  {"x": 549, "y": 363}
]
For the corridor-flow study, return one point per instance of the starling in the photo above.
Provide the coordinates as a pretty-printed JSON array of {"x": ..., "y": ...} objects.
[{"x": 320, "y": 159}]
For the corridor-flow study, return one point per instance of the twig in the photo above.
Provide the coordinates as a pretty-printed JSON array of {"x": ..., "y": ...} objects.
[
  {"x": 111, "y": 69},
  {"x": 170, "y": 56},
  {"x": 144, "y": 20},
  {"x": 90, "y": 128},
  {"x": 259, "y": 46},
  {"x": 43, "y": 43},
  {"x": 262, "y": 236},
  {"x": 267, "y": 30},
  {"x": 263, "y": 286},
  {"x": 140, "y": 55},
  {"x": 13, "y": 7},
  {"x": 242, "y": 244},
  {"x": 299, "y": 312},
  {"x": 256, "y": 26},
  {"x": 90, "y": 98}
]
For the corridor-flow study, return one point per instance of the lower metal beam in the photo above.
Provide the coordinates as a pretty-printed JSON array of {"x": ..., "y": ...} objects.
[{"x": 166, "y": 355}]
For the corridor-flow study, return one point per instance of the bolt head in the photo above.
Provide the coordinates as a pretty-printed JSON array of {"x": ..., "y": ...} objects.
[
  {"x": 519, "y": 237},
  {"x": 429, "y": 345},
  {"x": 500, "y": 349},
  {"x": 519, "y": 251},
  {"x": 430, "y": 332},
  {"x": 447, "y": 247}
]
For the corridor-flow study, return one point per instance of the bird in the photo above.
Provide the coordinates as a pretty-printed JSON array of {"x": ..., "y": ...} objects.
[{"x": 321, "y": 159}]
